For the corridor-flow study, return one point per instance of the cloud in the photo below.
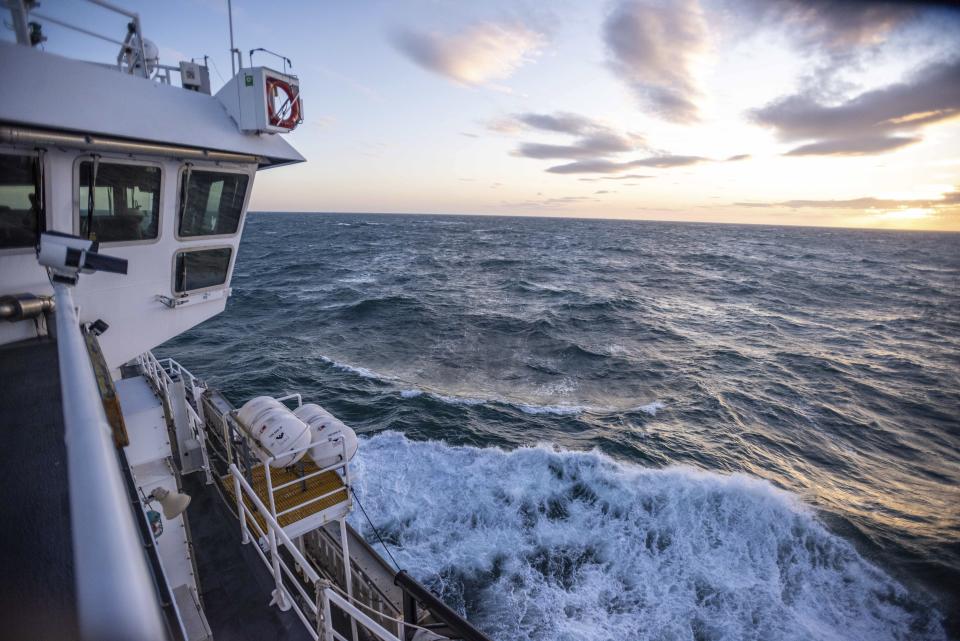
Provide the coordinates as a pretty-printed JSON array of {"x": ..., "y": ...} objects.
[
  {"x": 612, "y": 167},
  {"x": 854, "y": 146},
  {"x": 738, "y": 157},
  {"x": 653, "y": 49},
  {"x": 479, "y": 54},
  {"x": 562, "y": 122},
  {"x": 590, "y": 139},
  {"x": 830, "y": 24},
  {"x": 550, "y": 202},
  {"x": 624, "y": 177},
  {"x": 948, "y": 199},
  {"x": 594, "y": 145},
  {"x": 873, "y": 122}
]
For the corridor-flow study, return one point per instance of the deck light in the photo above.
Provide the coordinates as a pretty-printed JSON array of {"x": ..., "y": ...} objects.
[{"x": 173, "y": 503}]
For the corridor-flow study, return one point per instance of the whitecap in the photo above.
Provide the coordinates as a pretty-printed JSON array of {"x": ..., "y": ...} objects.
[
  {"x": 649, "y": 408},
  {"x": 359, "y": 371},
  {"x": 565, "y": 546}
]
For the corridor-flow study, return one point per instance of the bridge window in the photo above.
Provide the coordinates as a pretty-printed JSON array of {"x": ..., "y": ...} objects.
[
  {"x": 200, "y": 269},
  {"x": 126, "y": 202},
  {"x": 211, "y": 202},
  {"x": 20, "y": 207}
]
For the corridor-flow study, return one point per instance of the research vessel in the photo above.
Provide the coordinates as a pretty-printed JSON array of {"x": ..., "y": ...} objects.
[{"x": 140, "y": 504}]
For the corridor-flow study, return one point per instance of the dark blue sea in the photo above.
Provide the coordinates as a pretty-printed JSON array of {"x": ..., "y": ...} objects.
[{"x": 608, "y": 430}]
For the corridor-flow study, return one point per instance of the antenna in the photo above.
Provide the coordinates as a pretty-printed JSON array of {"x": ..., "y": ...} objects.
[{"x": 233, "y": 50}]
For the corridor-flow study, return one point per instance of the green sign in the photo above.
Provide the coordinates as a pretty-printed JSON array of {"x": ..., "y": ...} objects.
[{"x": 248, "y": 80}]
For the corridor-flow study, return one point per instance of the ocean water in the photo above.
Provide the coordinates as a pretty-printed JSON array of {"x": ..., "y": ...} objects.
[{"x": 596, "y": 430}]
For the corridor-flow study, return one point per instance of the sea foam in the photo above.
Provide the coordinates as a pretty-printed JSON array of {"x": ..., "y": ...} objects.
[{"x": 541, "y": 544}]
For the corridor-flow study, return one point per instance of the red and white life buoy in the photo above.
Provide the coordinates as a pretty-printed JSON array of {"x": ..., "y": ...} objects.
[{"x": 291, "y": 107}]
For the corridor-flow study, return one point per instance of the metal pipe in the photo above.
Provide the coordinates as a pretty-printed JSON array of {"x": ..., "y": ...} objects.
[
  {"x": 27, "y": 136},
  {"x": 115, "y": 598},
  {"x": 233, "y": 65},
  {"x": 22, "y": 306}
]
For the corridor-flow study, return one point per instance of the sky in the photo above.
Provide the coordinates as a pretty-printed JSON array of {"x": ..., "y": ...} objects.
[{"x": 752, "y": 111}]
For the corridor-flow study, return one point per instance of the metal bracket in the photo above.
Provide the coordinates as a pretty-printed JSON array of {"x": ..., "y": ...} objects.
[{"x": 193, "y": 299}]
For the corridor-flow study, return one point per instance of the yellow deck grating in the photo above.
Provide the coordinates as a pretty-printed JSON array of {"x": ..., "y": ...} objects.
[{"x": 295, "y": 494}]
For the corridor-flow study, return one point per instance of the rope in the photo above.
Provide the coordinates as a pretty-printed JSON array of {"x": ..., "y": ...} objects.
[{"x": 375, "y": 530}]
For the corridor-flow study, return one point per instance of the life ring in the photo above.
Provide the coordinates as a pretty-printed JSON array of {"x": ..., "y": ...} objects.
[{"x": 293, "y": 99}]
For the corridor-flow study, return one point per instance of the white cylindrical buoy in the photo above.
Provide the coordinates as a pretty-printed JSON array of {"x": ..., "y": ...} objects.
[
  {"x": 329, "y": 435},
  {"x": 276, "y": 428}
]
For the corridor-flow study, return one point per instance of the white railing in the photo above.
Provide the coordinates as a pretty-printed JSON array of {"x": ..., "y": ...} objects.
[
  {"x": 161, "y": 373},
  {"x": 22, "y": 12},
  {"x": 341, "y": 467},
  {"x": 324, "y": 593},
  {"x": 115, "y": 596},
  {"x": 312, "y": 610}
]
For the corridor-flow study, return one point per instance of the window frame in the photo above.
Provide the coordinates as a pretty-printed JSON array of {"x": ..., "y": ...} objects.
[
  {"x": 210, "y": 168},
  {"x": 113, "y": 160},
  {"x": 186, "y": 250},
  {"x": 32, "y": 152}
]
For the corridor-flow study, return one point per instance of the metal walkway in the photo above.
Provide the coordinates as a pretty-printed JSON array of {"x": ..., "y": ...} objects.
[
  {"x": 234, "y": 586},
  {"x": 37, "y": 590}
]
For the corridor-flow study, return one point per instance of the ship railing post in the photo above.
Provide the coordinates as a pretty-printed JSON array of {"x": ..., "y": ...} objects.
[
  {"x": 347, "y": 572},
  {"x": 241, "y": 512},
  {"x": 327, "y": 618},
  {"x": 279, "y": 593},
  {"x": 268, "y": 474}
]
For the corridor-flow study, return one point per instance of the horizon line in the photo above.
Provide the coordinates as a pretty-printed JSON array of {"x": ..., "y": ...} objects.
[{"x": 601, "y": 218}]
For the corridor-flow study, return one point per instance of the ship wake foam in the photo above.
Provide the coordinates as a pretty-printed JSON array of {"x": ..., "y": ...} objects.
[{"x": 540, "y": 544}]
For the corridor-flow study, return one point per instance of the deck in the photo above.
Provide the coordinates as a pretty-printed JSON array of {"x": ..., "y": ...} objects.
[{"x": 37, "y": 592}]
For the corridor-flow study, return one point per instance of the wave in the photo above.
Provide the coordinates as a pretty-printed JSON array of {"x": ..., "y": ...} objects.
[
  {"x": 556, "y": 545},
  {"x": 527, "y": 408},
  {"x": 649, "y": 408},
  {"x": 353, "y": 369}
]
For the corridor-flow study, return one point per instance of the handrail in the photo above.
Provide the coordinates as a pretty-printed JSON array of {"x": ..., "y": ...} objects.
[
  {"x": 276, "y": 565},
  {"x": 115, "y": 598},
  {"x": 154, "y": 370},
  {"x": 281, "y": 596},
  {"x": 354, "y": 613},
  {"x": 273, "y": 524}
]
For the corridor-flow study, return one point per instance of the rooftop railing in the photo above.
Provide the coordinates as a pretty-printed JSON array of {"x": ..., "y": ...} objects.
[{"x": 132, "y": 50}]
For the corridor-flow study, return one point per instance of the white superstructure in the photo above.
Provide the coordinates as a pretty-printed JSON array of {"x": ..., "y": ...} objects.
[{"x": 136, "y": 130}]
